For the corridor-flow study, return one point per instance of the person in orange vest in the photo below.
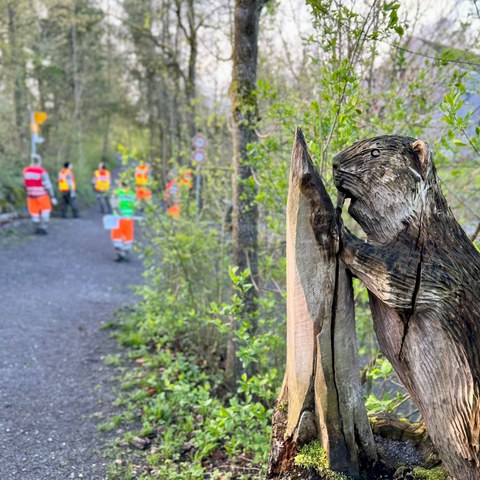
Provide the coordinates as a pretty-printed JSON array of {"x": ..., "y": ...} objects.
[
  {"x": 176, "y": 190},
  {"x": 142, "y": 180},
  {"x": 122, "y": 236},
  {"x": 68, "y": 190},
  {"x": 186, "y": 178},
  {"x": 172, "y": 195},
  {"x": 40, "y": 196},
  {"x": 101, "y": 182}
]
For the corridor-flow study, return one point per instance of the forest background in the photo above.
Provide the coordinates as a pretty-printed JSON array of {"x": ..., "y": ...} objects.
[{"x": 136, "y": 79}]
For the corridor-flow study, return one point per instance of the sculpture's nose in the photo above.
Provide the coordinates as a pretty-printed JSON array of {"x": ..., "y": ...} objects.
[
  {"x": 338, "y": 173},
  {"x": 338, "y": 181},
  {"x": 336, "y": 162}
]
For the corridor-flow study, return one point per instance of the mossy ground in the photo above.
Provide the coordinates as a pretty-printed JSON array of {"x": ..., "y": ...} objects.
[
  {"x": 313, "y": 456},
  {"x": 437, "y": 473}
]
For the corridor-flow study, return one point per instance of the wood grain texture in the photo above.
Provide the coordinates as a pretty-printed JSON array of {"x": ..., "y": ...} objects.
[
  {"x": 322, "y": 385},
  {"x": 422, "y": 273}
]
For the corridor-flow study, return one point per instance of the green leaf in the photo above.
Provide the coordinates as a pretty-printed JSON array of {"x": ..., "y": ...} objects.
[
  {"x": 391, "y": 6},
  {"x": 393, "y": 19},
  {"x": 459, "y": 143}
]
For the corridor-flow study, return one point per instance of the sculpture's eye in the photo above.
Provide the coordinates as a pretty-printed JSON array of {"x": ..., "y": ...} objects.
[{"x": 375, "y": 152}]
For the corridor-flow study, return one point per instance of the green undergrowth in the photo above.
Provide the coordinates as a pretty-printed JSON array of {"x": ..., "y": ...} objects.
[{"x": 172, "y": 394}]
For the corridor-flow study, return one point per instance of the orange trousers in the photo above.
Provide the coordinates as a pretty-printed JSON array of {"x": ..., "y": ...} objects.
[
  {"x": 39, "y": 207},
  {"x": 122, "y": 237},
  {"x": 174, "y": 211}
]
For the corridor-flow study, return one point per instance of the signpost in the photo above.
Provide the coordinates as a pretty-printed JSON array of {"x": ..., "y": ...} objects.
[
  {"x": 199, "y": 142},
  {"x": 36, "y": 119}
]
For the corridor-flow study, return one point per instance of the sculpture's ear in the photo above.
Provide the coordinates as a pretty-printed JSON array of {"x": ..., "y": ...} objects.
[{"x": 421, "y": 150}]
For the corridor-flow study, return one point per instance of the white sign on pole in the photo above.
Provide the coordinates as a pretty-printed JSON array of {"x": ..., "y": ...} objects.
[
  {"x": 199, "y": 141},
  {"x": 198, "y": 156}
]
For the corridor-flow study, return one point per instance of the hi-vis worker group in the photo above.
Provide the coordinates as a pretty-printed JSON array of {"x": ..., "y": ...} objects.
[{"x": 119, "y": 215}]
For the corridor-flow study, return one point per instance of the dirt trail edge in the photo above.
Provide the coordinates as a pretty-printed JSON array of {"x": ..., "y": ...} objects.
[{"x": 55, "y": 292}]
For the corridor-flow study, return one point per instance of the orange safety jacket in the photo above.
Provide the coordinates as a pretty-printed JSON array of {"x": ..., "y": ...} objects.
[
  {"x": 141, "y": 175},
  {"x": 187, "y": 179},
  {"x": 172, "y": 192},
  {"x": 102, "y": 180},
  {"x": 63, "y": 184}
]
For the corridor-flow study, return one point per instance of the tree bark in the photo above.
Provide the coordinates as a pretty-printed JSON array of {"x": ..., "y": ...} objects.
[
  {"x": 245, "y": 114},
  {"x": 423, "y": 277},
  {"x": 77, "y": 94},
  {"x": 19, "y": 69},
  {"x": 191, "y": 36},
  {"x": 321, "y": 394}
]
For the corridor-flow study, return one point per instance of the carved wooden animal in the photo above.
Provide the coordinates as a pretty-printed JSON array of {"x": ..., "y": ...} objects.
[{"x": 423, "y": 275}]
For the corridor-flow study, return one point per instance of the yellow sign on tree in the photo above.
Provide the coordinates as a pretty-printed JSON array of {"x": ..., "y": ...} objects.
[{"x": 39, "y": 117}]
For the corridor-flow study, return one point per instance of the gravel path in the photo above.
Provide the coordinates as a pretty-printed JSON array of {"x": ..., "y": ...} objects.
[{"x": 55, "y": 292}]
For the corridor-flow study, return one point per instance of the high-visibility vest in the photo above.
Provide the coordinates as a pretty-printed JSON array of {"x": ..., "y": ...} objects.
[
  {"x": 141, "y": 174},
  {"x": 32, "y": 179},
  {"x": 125, "y": 202},
  {"x": 187, "y": 179},
  {"x": 102, "y": 180},
  {"x": 172, "y": 192},
  {"x": 63, "y": 182}
]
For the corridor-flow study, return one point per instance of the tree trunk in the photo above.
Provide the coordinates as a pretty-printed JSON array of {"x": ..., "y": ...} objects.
[
  {"x": 244, "y": 114},
  {"x": 423, "y": 277},
  {"x": 191, "y": 36},
  {"x": 77, "y": 93},
  {"x": 151, "y": 106},
  {"x": 244, "y": 111},
  {"x": 19, "y": 69},
  {"x": 321, "y": 394}
]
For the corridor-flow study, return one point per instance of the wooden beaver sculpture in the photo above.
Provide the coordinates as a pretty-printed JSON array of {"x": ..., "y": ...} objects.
[{"x": 423, "y": 276}]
